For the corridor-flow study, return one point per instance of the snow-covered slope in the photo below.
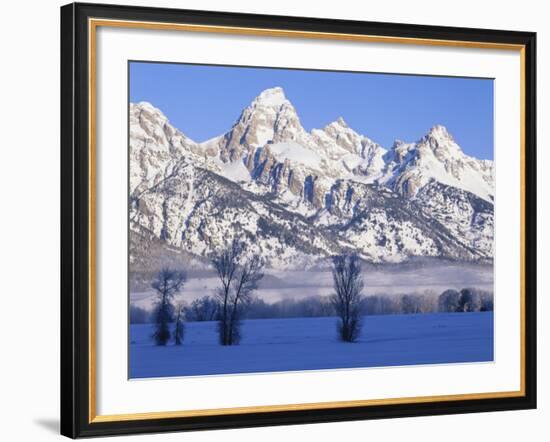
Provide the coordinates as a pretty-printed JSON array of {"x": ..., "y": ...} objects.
[
  {"x": 437, "y": 156},
  {"x": 301, "y": 196}
]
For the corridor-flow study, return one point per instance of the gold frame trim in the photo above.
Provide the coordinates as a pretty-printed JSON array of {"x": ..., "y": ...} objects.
[{"x": 93, "y": 24}]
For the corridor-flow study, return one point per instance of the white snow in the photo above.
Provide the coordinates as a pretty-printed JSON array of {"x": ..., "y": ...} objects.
[
  {"x": 272, "y": 97},
  {"x": 332, "y": 155},
  {"x": 211, "y": 142},
  {"x": 351, "y": 161},
  {"x": 188, "y": 206},
  {"x": 263, "y": 135},
  {"x": 296, "y": 153},
  {"x": 270, "y": 345},
  {"x": 437, "y": 156},
  {"x": 235, "y": 171}
]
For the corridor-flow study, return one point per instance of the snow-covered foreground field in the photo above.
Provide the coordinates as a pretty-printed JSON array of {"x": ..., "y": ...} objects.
[{"x": 270, "y": 345}]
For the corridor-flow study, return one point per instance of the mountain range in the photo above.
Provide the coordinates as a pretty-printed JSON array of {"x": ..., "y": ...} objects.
[{"x": 298, "y": 197}]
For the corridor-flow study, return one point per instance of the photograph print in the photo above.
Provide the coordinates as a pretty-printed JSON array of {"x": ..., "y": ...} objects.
[{"x": 288, "y": 220}]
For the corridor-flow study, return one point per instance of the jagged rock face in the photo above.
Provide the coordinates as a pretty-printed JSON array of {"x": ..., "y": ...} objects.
[
  {"x": 300, "y": 197},
  {"x": 358, "y": 154},
  {"x": 199, "y": 212},
  {"x": 465, "y": 215},
  {"x": 409, "y": 167},
  {"x": 155, "y": 147},
  {"x": 270, "y": 118}
]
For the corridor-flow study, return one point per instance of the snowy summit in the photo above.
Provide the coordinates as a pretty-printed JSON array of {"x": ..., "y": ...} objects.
[
  {"x": 301, "y": 196},
  {"x": 271, "y": 97}
]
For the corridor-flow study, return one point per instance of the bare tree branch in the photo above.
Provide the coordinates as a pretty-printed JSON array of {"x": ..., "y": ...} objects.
[
  {"x": 348, "y": 285},
  {"x": 239, "y": 278},
  {"x": 179, "y": 329},
  {"x": 167, "y": 283}
]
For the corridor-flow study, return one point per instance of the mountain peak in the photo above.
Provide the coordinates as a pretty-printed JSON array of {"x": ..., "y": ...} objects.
[
  {"x": 274, "y": 96},
  {"x": 337, "y": 124},
  {"x": 341, "y": 122},
  {"x": 397, "y": 142},
  {"x": 145, "y": 105},
  {"x": 440, "y": 132},
  {"x": 439, "y": 138}
]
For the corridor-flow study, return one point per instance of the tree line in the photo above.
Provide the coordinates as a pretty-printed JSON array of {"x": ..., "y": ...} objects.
[
  {"x": 239, "y": 274},
  {"x": 450, "y": 301}
]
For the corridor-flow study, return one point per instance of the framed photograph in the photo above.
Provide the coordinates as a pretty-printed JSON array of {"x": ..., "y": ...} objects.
[{"x": 274, "y": 220}]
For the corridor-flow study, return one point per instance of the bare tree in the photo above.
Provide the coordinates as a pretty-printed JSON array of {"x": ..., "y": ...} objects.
[
  {"x": 347, "y": 301},
  {"x": 449, "y": 301},
  {"x": 410, "y": 304},
  {"x": 487, "y": 302},
  {"x": 470, "y": 300},
  {"x": 225, "y": 265},
  {"x": 239, "y": 278},
  {"x": 139, "y": 315},
  {"x": 167, "y": 283},
  {"x": 246, "y": 282},
  {"x": 202, "y": 309},
  {"x": 180, "y": 327}
]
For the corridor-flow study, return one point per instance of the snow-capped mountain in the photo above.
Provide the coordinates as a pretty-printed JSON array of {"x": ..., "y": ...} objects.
[
  {"x": 409, "y": 167},
  {"x": 300, "y": 196}
]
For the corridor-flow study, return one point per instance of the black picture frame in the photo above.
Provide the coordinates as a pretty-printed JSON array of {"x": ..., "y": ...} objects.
[{"x": 75, "y": 221}]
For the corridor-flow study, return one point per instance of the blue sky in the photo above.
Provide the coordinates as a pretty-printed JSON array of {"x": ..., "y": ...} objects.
[{"x": 204, "y": 101}]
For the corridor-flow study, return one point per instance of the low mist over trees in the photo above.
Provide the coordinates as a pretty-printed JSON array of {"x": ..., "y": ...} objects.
[
  {"x": 166, "y": 284},
  {"x": 348, "y": 284},
  {"x": 207, "y": 308},
  {"x": 467, "y": 300},
  {"x": 310, "y": 307},
  {"x": 238, "y": 275},
  {"x": 449, "y": 301},
  {"x": 202, "y": 309},
  {"x": 139, "y": 315}
]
